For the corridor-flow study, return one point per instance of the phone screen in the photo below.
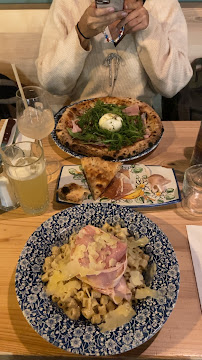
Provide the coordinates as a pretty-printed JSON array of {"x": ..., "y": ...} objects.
[{"x": 116, "y": 4}]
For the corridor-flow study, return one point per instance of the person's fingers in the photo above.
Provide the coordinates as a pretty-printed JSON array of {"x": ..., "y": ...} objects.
[
  {"x": 95, "y": 20},
  {"x": 97, "y": 12},
  {"x": 132, "y": 15},
  {"x": 109, "y": 19},
  {"x": 132, "y": 4},
  {"x": 135, "y": 28},
  {"x": 103, "y": 11},
  {"x": 133, "y": 19},
  {"x": 105, "y": 20}
]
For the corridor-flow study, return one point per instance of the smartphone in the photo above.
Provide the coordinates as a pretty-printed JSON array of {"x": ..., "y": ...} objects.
[{"x": 116, "y": 4}]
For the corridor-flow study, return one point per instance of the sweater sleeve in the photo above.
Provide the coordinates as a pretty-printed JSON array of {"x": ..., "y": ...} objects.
[
  {"x": 61, "y": 57},
  {"x": 162, "y": 47}
]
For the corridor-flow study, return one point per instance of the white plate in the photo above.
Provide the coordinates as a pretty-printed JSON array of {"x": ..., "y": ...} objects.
[{"x": 139, "y": 175}]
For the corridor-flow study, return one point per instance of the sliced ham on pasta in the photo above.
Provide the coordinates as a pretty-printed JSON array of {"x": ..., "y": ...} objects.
[
  {"x": 119, "y": 292},
  {"x": 103, "y": 260}
]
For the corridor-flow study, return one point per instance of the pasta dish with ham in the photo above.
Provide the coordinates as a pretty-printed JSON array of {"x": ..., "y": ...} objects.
[{"x": 98, "y": 273}]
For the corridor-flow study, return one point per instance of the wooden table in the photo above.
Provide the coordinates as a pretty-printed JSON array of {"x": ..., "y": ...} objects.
[{"x": 181, "y": 336}]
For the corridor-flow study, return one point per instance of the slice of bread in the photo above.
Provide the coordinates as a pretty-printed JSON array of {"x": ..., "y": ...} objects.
[{"x": 99, "y": 173}]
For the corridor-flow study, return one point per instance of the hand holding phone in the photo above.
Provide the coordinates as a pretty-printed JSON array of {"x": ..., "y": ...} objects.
[
  {"x": 94, "y": 21},
  {"x": 116, "y": 4}
]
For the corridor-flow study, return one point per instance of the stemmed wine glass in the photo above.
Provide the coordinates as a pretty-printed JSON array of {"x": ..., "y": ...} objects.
[{"x": 35, "y": 120}]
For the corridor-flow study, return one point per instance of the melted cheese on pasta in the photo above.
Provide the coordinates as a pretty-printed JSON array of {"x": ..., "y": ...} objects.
[{"x": 118, "y": 317}]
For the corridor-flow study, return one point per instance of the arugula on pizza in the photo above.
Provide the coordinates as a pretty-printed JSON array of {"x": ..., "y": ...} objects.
[{"x": 109, "y": 127}]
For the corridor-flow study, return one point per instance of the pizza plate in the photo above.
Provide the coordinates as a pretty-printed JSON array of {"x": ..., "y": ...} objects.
[
  {"x": 67, "y": 150},
  {"x": 81, "y": 337}
]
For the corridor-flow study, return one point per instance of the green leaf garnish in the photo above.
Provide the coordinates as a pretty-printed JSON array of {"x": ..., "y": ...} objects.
[{"x": 131, "y": 131}]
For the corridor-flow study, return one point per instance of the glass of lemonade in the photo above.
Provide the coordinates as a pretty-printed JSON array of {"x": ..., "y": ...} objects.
[
  {"x": 36, "y": 121},
  {"x": 25, "y": 166}
]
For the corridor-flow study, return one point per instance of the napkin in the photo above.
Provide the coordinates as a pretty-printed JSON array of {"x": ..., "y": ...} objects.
[
  {"x": 21, "y": 137},
  {"x": 195, "y": 242}
]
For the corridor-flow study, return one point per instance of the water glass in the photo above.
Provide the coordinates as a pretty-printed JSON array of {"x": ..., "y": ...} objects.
[
  {"x": 25, "y": 167},
  {"x": 192, "y": 190}
]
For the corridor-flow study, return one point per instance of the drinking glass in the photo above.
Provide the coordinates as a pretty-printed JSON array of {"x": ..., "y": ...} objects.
[
  {"x": 25, "y": 167},
  {"x": 192, "y": 190},
  {"x": 36, "y": 121}
]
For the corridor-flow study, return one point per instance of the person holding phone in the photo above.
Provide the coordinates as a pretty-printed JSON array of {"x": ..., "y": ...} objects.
[{"x": 88, "y": 50}]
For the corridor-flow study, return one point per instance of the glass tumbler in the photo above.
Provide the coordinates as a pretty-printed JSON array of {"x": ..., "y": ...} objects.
[
  {"x": 192, "y": 190},
  {"x": 25, "y": 167}
]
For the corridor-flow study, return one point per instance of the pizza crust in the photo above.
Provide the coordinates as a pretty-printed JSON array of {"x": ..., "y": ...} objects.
[
  {"x": 99, "y": 174},
  {"x": 73, "y": 193},
  {"x": 153, "y": 123}
]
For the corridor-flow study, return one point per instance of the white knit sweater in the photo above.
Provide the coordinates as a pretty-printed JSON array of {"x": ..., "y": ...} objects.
[{"x": 154, "y": 60}]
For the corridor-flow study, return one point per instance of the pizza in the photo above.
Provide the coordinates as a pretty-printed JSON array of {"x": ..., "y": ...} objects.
[
  {"x": 109, "y": 127},
  {"x": 99, "y": 173},
  {"x": 73, "y": 193}
]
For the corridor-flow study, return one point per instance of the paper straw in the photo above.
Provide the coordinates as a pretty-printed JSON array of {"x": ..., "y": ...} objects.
[{"x": 19, "y": 85}]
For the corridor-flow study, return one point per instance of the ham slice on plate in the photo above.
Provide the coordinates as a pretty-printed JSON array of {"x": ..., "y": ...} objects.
[
  {"x": 158, "y": 182},
  {"x": 135, "y": 110},
  {"x": 147, "y": 133},
  {"x": 72, "y": 124},
  {"x": 75, "y": 127},
  {"x": 132, "y": 110},
  {"x": 106, "y": 256},
  {"x": 120, "y": 291},
  {"x": 120, "y": 186}
]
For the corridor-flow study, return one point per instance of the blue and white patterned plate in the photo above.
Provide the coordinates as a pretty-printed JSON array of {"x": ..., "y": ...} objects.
[
  {"x": 57, "y": 117},
  {"x": 81, "y": 337}
]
